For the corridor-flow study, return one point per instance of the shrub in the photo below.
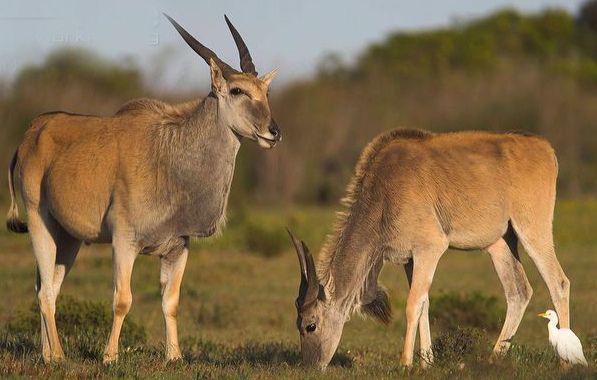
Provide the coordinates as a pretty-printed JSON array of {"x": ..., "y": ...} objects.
[
  {"x": 452, "y": 310},
  {"x": 460, "y": 345},
  {"x": 266, "y": 239}
]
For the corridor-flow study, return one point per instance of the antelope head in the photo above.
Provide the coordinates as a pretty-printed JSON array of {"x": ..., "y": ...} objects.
[
  {"x": 319, "y": 320},
  {"x": 243, "y": 103}
]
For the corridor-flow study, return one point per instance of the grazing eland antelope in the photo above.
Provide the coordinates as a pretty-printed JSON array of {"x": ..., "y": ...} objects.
[
  {"x": 144, "y": 180},
  {"x": 415, "y": 194}
]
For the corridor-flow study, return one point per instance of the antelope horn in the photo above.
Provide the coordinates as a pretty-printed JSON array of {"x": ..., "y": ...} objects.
[
  {"x": 203, "y": 51},
  {"x": 246, "y": 62},
  {"x": 299, "y": 252},
  {"x": 309, "y": 287},
  {"x": 312, "y": 280},
  {"x": 300, "y": 300}
]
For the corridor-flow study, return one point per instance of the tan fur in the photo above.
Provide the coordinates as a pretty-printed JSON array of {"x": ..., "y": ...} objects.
[
  {"x": 167, "y": 112},
  {"x": 354, "y": 188}
]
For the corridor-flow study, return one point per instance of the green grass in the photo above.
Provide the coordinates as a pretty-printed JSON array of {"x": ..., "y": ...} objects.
[{"x": 237, "y": 315}]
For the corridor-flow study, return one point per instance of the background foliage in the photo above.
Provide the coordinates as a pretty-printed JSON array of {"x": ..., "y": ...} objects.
[{"x": 507, "y": 71}]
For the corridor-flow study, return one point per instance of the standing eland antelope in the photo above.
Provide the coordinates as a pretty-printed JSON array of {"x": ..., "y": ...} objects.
[
  {"x": 144, "y": 180},
  {"x": 414, "y": 194}
]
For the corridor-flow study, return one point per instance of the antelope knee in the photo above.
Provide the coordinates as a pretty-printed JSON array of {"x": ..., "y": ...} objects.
[
  {"x": 565, "y": 286},
  {"x": 122, "y": 304},
  {"x": 525, "y": 293},
  {"x": 163, "y": 284},
  {"x": 414, "y": 308},
  {"x": 46, "y": 301},
  {"x": 170, "y": 308}
]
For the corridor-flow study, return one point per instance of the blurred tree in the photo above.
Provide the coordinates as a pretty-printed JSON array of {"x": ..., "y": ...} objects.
[
  {"x": 588, "y": 15},
  {"x": 506, "y": 71},
  {"x": 77, "y": 80}
]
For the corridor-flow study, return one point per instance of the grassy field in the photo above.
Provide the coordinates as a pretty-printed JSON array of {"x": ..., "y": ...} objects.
[{"x": 237, "y": 312}]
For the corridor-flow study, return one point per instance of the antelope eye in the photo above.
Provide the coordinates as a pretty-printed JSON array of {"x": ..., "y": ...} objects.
[
  {"x": 236, "y": 91},
  {"x": 311, "y": 327}
]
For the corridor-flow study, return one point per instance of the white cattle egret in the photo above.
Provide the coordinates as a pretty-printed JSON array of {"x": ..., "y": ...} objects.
[{"x": 564, "y": 341}]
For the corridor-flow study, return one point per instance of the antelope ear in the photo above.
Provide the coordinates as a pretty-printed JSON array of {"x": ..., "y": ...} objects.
[
  {"x": 218, "y": 82},
  {"x": 267, "y": 78}
]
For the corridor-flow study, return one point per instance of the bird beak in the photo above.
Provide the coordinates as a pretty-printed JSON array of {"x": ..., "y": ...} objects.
[{"x": 541, "y": 315}]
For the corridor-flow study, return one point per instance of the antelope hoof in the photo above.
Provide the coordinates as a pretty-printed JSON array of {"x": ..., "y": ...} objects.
[
  {"x": 173, "y": 356},
  {"x": 501, "y": 347},
  {"x": 54, "y": 358},
  {"x": 499, "y": 351},
  {"x": 426, "y": 359},
  {"x": 110, "y": 359},
  {"x": 406, "y": 363}
]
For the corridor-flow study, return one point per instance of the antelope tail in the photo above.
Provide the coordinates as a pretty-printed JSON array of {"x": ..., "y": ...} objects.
[{"x": 13, "y": 223}]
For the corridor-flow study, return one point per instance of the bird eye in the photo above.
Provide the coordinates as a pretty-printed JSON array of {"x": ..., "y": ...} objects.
[
  {"x": 236, "y": 91},
  {"x": 311, "y": 327}
]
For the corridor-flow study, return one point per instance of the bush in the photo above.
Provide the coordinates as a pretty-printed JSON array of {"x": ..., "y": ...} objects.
[
  {"x": 83, "y": 327},
  {"x": 450, "y": 311},
  {"x": 266, "y": 239},
  {"x": 461, "y": 345}
]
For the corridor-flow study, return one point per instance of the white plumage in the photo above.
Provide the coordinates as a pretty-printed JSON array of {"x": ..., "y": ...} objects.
[{"x": 564, "y": 341}]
